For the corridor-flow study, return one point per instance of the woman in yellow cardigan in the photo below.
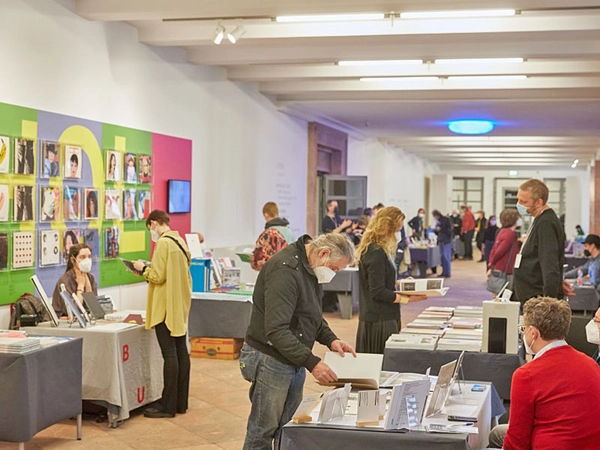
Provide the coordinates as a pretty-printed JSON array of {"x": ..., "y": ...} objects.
[{"x": 169, "y": 301}]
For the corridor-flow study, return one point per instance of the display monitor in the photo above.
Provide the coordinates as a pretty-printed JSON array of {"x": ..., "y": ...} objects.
[{"x": 179, "y": 196}]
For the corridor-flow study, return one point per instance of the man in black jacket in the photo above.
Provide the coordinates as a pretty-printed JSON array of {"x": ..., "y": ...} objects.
[
  {"x": 443, "y": 230},
  {"x": 286, "y": 321},
  {"x": 539, "y": 264}
]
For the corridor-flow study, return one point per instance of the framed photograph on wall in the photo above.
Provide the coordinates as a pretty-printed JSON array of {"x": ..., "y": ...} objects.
[
  {"x": 145, "y": 169},
  {"x": 130, "y": 168},
  {"x": 70, "y": 238},
  {"x": 4, "y": 202},
  {"x": 50, "y": 156},
  {"x": 23, "y": 204},
  {"x": 49, "y": 247},
  {"x": 73, "y": 161},
  {"x": 91, "y": 238},
  {"x": 91, "y": 204},
  {"x": 23, "y": 249},
  {"x": 112, "y": 204},
  {"x": 111, "y": 242},
  {"x": 114, "y": 162},
  {"x": 3, "y": 250},
  {"x": 72, "y": 203},
  {"x": 5, "y": 148},
  {"x": 129, "y": 210},
  {"x": 24, "y": 156},
  {"x": 144, "y": 204},
  {"x": 49, "y": 203}
]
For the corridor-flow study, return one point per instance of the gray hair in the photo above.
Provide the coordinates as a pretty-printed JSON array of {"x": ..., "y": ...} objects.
[{"x": 339, "y": 245}]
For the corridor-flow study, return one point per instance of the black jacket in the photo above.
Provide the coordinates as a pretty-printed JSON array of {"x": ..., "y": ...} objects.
[
  {"x": 540, "y": 271},
  {"x": 277, "y": 222},
  {"x": 416, "y": 224},
  {"x": 444, "y": 233},
  {"x": 286, "y": 312},
  {"x": 377, "y": 280}
]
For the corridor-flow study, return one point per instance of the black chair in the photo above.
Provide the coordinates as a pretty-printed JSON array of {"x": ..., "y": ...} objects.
[{"x": 577, "y": 337}]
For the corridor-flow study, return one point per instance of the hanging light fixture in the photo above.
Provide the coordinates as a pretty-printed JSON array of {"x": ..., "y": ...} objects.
[
  {"x": 218, "y": 34},
  {"x": 236, "y": 34}
]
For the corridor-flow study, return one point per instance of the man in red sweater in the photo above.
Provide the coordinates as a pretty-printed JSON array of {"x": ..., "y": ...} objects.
[
  {"x": 467, "y": 231},
  {"x": 554, "y": 398}
]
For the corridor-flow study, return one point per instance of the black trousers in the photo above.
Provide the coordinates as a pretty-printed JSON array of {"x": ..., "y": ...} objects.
[
  {"x": 176, "y": 370},
  {"x": 468, "y": 240}
]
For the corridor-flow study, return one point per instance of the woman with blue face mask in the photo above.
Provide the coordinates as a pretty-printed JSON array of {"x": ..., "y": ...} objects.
[{"x": 379, "y": 312}]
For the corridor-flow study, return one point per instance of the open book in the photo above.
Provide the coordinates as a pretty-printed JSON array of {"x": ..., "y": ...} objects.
[
  {"x": 131, "y": 268},
  {"x": 362, "y": 371},
  {"x": 246, "y": 254},
  {"x": 432, "y": 287}
]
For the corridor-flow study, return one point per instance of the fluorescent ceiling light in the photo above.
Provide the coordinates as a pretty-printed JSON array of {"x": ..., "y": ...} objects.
[
  {"x": 478, "y": 60},
  {"x": 391, "y": 62},
  {"x": 236, "y": 34},
  {"x": 457, "y": 14},
  {"x": 330, "y": 17},
  {"x": 471, "y": 126},
  {"x": 487, "y": 77},
  {"x": 218, "y": 34},
  {"x": 396, "y": 79}
]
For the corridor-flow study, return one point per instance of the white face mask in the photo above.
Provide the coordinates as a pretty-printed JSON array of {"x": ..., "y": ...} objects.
[
  {"x": 323, "y": 273},
  {"x": 592, "y": 333},
  {"x": 85, "y": 265},
  {"x": 421, "y": 215},
  {"x": 398, "y": 236},
  {"x": 528, "y": 347},
  {"x": 154, "y": 235}
]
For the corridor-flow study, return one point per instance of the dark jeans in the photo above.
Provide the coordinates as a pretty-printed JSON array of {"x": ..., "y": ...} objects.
[
  {"x": 468, "y": 240},
  {"x": 176, "y": 370},
  {"x": 446, "y": 256}
]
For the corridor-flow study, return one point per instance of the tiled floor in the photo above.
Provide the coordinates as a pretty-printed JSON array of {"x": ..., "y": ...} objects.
[{"x": 219, "y": 402}]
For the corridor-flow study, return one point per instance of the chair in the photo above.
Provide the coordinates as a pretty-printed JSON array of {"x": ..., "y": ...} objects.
[{"x": 577, "y": 337}]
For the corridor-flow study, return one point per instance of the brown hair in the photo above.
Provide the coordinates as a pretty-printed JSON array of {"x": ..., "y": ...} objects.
[
  {"x": 271, "y": 209},
  {"x": 509, "y": 217},
  {"x": 552, "y": 317},
  {"x": 74, "y": 252},
  {"x": 382, "y": 231},
  {"x": 158, "y": 216},
  {"x": 536, "y": 188}
]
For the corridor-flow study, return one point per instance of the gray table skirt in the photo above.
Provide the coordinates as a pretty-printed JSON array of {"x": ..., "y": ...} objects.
[
  {"x": 39, "y": 389},
  {"x": 219, "y": 318},
  {"x": 493, "y": 367},
  {"x": 585, "y": 299}
]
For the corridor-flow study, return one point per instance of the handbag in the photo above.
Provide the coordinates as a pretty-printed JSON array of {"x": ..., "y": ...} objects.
[{"x": 497, "y": 278}]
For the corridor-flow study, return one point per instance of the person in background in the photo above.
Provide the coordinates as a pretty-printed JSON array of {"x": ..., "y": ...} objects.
[
  {"x": 592, "y": 267},
  {"x": 443, "y": 229},
  {"x": 77, "y": 278},
  {"x": 167, "y": 311},
  {"x": 377, "y": 208},
  {"x": 379, "y": 312},
  {"x": 332, "y": 222},
  {"x": 506, "y": 246},
  {"x": 467, "y": 231},
  {"x": 277, "y": 235},
  {"x": 547, "y": 394},
  {"x": 285, "y": 323},
  {"x": 416, "y": 224},
  {"x": 480, "y": 226},
  {"x": 489, "y": 236},
  {"x": 579, "y": 230},
  {"x": 456, "y": 221},
  {"x": 359, "y": 228}
]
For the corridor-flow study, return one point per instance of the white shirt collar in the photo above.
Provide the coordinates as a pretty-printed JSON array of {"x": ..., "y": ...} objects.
[{"x": 550, "y": 346}]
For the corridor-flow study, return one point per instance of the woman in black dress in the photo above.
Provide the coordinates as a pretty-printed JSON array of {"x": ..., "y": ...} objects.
[{"x": 379, "y": 312}]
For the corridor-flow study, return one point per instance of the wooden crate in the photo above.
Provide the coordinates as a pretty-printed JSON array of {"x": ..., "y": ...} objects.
[{"x": 216, "y": 348}]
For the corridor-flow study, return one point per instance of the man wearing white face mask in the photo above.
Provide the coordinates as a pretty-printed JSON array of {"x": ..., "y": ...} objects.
[
  {"x": 77, "y": 278},
  {"x": 286, "y": 321}
]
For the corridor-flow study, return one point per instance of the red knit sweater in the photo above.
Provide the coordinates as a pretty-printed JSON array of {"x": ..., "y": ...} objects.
[{"x": 555, "y": 403}]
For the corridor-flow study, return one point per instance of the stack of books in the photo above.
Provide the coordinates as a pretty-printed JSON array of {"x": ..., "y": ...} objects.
[
  {"x": 466, "y": 322},
  {"x": 468, "y": 311},
  {"x": 412, "y": 341},
  {"x": 19, "y": 345},
  {"x": 468, "y": 345},
  {"x": 464, "y": 333}
]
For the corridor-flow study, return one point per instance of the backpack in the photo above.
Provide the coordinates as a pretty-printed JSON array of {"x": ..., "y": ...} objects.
[{"x": 30, "y": 305}]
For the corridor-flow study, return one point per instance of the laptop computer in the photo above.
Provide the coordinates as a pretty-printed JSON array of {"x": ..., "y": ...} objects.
[{"x": 91, "y": 300}]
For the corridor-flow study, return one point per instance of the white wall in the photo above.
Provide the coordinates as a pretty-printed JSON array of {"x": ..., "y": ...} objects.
[{"x": 245, "y": 152}]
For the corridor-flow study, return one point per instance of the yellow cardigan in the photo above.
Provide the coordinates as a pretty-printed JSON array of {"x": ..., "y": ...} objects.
[{"x": 170, "y": 285}]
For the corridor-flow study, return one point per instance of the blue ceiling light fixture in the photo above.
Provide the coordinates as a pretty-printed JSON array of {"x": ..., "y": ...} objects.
[{"x": 471, "y": 126}]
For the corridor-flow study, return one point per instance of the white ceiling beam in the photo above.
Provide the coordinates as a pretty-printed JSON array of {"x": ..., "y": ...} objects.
[{"x": 516, "y": 142}]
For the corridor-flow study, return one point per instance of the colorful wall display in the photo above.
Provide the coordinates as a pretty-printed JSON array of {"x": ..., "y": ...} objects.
[{"x": 65, "y": 180}]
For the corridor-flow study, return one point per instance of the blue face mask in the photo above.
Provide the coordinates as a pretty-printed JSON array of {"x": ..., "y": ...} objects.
[{"x": 522, "y": 210}]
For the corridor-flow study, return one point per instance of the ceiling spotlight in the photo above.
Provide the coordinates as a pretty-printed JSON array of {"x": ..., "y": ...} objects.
[
  {"x": 236, "y": 34},
  {"x": 471, "y": 126},
  {"x": 218, "y": 34}
]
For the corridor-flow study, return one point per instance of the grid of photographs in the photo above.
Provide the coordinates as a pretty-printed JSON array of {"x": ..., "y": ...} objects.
[{"x": 23, "y": 250}]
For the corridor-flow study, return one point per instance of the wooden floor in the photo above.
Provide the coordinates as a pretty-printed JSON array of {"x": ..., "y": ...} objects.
[{"x": 219, "y": 403}]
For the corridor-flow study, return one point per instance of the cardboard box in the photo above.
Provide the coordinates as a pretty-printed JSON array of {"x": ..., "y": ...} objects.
[{"x": 216, "y": 348}]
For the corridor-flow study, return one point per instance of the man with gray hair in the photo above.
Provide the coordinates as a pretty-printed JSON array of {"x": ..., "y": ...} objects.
[{"x": 286, "y": 321}]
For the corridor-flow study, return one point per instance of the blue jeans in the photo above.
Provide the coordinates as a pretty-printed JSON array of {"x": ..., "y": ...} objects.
[
  {"x": 446, "y": 254},
  {"x": 275, "y": 394}
]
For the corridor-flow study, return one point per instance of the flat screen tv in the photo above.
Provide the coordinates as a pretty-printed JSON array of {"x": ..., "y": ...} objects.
[{"x": 179, "y": 196}]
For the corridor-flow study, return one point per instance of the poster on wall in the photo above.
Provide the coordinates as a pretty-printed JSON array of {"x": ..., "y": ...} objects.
[
  {"x": 24, "y": 156},
  {"x": 23, "y": 204},
  {"x": 112, "y": 204},
  {"x": 49, "y": 247},
  {"x": 91, "y": 239},
  {"x": 114, "y": 160},
  {"x": 144, "y": 204},
  {"x": 49, "y": 203},
  {"x": 72, "y": 203},
  {"x": 50, "y": 157},
  {"x": 3, "y": 251},
  {"x": 23, "y": 252},
  {"x": 130, "y": 168},
  {"x": 4, "y": 202},
  {"x": 70, "y": 238},
  {"x": 91, "y": 204},
  {"x": 111, "y": 242},
  {"x": 73, "y": 161},
  {"x": 129, "y": 211},
  {"x": 4, "y": 154},
  {"x": 145, "y": 168}
]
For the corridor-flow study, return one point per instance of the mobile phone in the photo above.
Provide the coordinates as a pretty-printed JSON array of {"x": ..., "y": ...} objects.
[
  {"x": 462, "y": 419},
  {"x": 478, "y": 388}
]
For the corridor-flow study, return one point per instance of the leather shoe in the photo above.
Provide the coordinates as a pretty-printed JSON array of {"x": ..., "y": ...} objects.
[{"x": 154, "y": 413}]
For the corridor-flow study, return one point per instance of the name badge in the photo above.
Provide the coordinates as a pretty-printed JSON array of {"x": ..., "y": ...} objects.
[{"x": 518, "y": 261}]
